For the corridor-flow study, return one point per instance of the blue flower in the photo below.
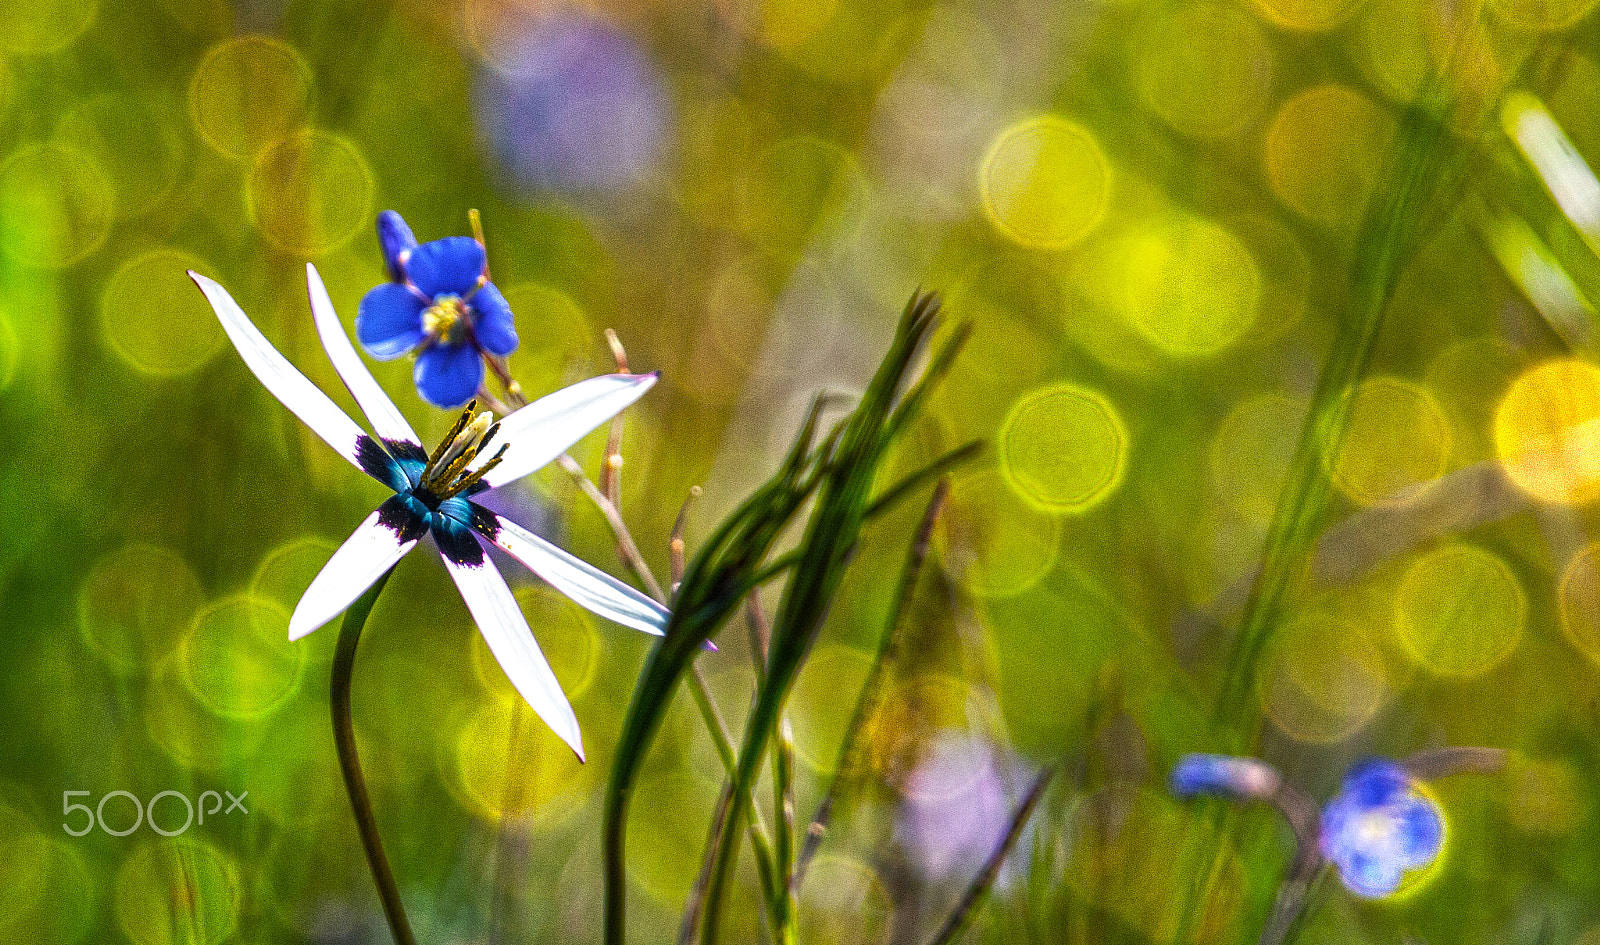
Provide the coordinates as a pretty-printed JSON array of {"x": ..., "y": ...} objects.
[
  {"x": 1225, "y": 776},
  {"x": 1381, "y": 826},
  {"x": 441, "y": 305},
  {"x": 434, "y": 494}
]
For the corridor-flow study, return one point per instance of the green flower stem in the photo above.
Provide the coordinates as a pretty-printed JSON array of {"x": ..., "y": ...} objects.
[
  {"x": 785, "y": 909},
  {"x": 344, "y": 737}
]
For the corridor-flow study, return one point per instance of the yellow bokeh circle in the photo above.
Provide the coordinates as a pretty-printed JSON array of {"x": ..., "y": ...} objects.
[
  {"x": 1063, "y": 448},
  {"x": 1192, "y": 288},
  {"x": 786, "y": 24},
  {"x": 177, "y": 890},
  {"x": 1459, "y": 611},
  {"x": 136, "y": 604},
  {"x": 845, "y": 903},
  {"x": 1206, "y": 70},
  {"x": 1311, "y": 16},
  {"x": 819, "y": 711},
  {"x": 502, "y": 764},
  {"x": 58, "y": 205},
  {"x": 247, "y": 93},
  {"x": 1396, "y": 441},
  {"x": 285, "y": 573},
  {"x": 1541, "y": 15},
  {"x": 1322, "y": 679},
  {"x": 1580, "y": 601},
  {"x": 1324, "y": 152},
  {"x": 136, "y": 140},
  {"x": 153, "y": 316},
  {"x": 189, "y": 733},
  {"x": 23, "y": 868},
  {"x": 1045, "y": 182},
  {"x": 310, "y": 192},
  {"x": 1251, "y": 453},
  {"x": 236, "y": 661},
  {"x": 992, "y": 541},
  {"x": 1545, "y": 431},
  {"x": 34, "y": 27}
]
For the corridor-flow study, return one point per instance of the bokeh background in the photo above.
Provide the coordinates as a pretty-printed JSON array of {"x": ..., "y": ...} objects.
[{"x": 1150, "y": 210}]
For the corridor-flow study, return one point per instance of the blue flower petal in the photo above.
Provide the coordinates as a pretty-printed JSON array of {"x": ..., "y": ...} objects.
[
  {"x": 450, "y": 266},
  {"x": 394, "y": 238},
  {"x": 389, "y": 321},
  {"x": 448, "y": 375},
  {"x": 1376, "y": 782},
  {"x": 1370, "y": 877},
  {"x": 1421, "y": 830},
  {"x": 494, "y": 325}
]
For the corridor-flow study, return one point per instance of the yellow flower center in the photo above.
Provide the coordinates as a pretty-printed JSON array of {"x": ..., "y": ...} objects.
[{"x": 445, "y": 319}]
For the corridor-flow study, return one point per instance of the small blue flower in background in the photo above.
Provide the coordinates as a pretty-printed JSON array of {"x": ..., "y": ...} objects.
[
  {"x": 441, "y": 305},
  {"x": 1381, "y": 826},
  {"x": 1225, "y": 776}
]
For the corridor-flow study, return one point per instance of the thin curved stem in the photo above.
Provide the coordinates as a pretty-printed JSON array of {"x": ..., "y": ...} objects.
[{"x": 344, "y": 737}]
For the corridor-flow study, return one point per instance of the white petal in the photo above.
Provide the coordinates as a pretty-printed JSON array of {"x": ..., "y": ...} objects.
[
  {"x": 506, "y": 631},
  {"x": 291, "y": 388},
  {"x": 371, "y": 549},
  {"x": 587, "y": 585},
  {"x": 381, "y": 412},
  {"x": 543, "y": 430}
]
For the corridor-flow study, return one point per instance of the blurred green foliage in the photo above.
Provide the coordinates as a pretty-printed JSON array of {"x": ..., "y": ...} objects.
[{"x": 1160, "y": 218}]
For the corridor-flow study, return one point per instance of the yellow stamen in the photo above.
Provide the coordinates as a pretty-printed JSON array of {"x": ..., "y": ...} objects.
[
  {"x": 446, "y": 473},
  {"x": 445, "y": 318}
]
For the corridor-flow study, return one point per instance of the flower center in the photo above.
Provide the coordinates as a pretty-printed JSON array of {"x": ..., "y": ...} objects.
[
  {"x": 445, "y": 319},
  {"x": 447, "y": 474},
  {"x": 1375, "y": 831}
]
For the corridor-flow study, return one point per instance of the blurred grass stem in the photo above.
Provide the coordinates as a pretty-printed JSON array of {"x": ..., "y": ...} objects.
[{"x": 344, "y": 737}]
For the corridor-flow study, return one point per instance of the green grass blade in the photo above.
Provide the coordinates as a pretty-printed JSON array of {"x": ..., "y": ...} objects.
[
  {"x": 871, "y": 694},
  {"x": 825, "y": 551},
  {"x": 712, "y": 588}
]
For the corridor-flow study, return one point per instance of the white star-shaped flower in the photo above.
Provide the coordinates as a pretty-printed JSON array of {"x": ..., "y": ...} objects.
[{"x": 432, "y": 494}]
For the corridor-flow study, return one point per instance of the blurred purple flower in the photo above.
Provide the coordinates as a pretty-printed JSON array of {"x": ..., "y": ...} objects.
[
  {"x": 958, "y": 803},
  {"x": 576, "y": 105}
]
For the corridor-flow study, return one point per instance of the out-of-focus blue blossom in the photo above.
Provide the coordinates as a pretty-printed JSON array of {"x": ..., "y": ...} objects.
[
  {"x": 576, "y": 105},
  {"x": 442, "y": 306},
  {"x": 1224, "y": 775},
  {"x": 1380, "y": 827}
]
